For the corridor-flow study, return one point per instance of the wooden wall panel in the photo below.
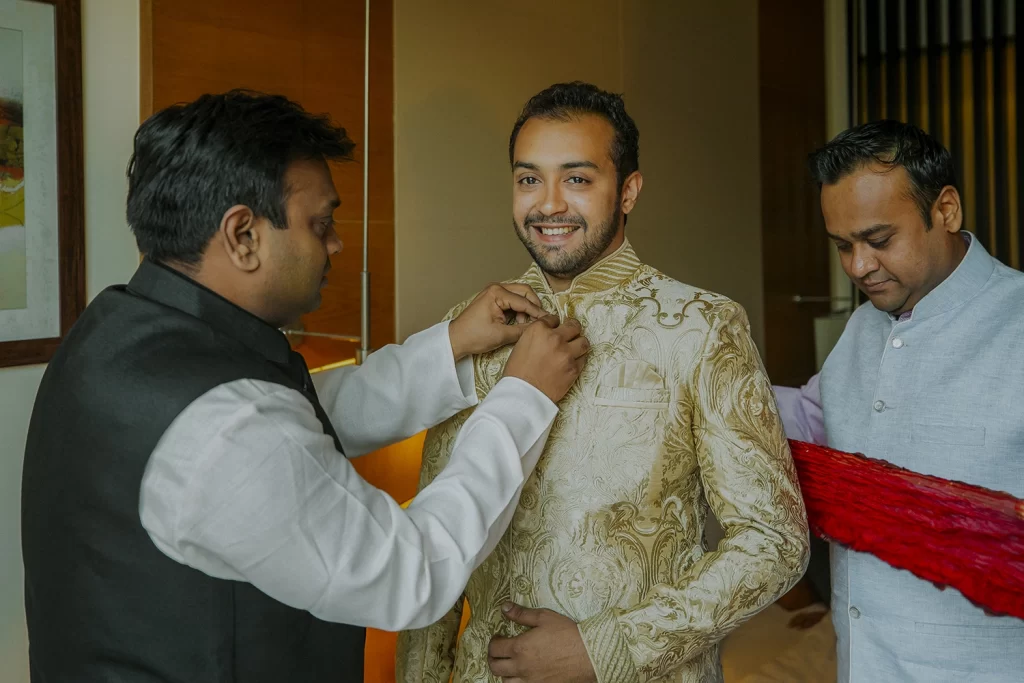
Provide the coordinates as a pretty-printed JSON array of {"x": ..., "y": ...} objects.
[{"x": 310, "y": 51}]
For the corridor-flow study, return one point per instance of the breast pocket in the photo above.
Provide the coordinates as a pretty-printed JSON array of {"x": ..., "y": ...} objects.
[
  {"x": 632, "y": 384},
  {"x": 625, "y": 397}
]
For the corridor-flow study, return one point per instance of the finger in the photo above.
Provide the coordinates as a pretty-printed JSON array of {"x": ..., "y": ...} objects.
[
  {"x": 579, "y": 347},
  {"x": 570, "y": 329},
  {"x": 522, "y": 615},
  {"x": 547, "y": 320},
  {"x": 523, "y": 291},
  {"x": 510, "y": 301},
  {"x": 503, "y": 668},
  {"x": 510, "y": 334},
  {"x": 522, "y": 318},
  {"x": 500, "y": 648}
]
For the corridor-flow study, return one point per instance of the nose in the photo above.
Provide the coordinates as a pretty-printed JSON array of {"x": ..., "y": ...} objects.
[
  {"x": 862, "y": 262},
  {"x": 334, "y": 244},
  {"x": 553, "y": 202}
]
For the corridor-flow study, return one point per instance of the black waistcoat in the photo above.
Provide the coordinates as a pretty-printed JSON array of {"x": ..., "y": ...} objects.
[{"x": 103, "y": 603}]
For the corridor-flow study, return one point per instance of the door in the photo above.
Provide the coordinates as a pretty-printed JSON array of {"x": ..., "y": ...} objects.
[{"x": 795, "y": 249}]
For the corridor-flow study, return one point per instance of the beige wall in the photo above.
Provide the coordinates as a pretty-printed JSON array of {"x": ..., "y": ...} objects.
[
  {"x": 111, "y": 111},
  {"x": 463, "y": 70},
  {"x": 691, "y": 84}
]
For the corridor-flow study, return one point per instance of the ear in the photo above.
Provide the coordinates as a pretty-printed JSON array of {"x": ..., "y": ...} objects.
[
  {"x": 240, "y": 237},
  {"x": 631, "y": 190},
  {"x": 947, "y": 212}
]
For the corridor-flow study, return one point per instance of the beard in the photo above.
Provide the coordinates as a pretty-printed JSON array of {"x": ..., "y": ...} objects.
[{"x": 563, "y": 263}]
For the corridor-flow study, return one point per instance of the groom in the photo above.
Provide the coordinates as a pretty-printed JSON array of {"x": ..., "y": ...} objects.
[{"x": 604, "y": 573}]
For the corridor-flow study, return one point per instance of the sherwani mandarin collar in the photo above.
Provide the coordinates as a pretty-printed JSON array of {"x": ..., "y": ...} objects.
[{"x": 613, "y": 270}]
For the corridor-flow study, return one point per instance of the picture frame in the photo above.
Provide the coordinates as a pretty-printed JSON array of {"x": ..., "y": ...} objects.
[{"x": 42, "y": 261}]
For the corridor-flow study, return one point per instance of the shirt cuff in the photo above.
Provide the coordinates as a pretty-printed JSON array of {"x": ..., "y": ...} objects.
[
  {"x": 467, "y": 380},
  {"x": 464, "y": 388},
  {"x": 608, "y": 649}
]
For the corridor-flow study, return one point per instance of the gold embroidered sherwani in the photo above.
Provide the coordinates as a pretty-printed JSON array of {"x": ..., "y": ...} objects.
[{"x": 673, "y": 414}]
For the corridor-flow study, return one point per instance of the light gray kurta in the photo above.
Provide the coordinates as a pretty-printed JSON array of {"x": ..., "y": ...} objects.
[{"x": 941, "y": 393}]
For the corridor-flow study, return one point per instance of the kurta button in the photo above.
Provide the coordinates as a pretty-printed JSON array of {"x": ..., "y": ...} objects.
[
  {"x": 897, "y": 343},
  {"x": 879, "y": 406},
  {"x": 854, "y": 613}
]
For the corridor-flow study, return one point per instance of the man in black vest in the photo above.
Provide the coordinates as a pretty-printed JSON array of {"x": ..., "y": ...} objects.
[{"x": 189, "y": 514}]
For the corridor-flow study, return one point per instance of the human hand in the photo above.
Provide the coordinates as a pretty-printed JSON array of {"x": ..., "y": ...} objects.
[
  {"x": 485, "y": 325},
  {"x": 549, "y": 356},
  {"x": 552, "y": 651}
]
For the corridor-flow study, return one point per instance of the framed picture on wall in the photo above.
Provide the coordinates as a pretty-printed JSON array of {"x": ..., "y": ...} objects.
[{"x": 42, "y": 238}]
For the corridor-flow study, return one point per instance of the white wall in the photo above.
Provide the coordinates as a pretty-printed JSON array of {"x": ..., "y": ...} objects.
[
  {"x": 463, "y": 70},
  {"x": 110, "y": 53}
]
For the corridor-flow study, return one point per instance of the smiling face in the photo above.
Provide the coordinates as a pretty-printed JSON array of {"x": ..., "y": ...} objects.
[
  {"x": 567, "y": 205},
  {"x": 884, "y": 243}
]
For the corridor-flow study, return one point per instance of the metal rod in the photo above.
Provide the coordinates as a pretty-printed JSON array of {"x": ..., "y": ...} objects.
[
  {"x": 364, "y": 304},
  {"x": 339, "y": 337}
]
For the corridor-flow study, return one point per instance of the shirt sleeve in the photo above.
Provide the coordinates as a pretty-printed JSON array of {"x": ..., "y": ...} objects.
[
  {"x": 245, "y": 485},
  {"x": 398, "y": 391},
  {"x": 800, "y": 411}
]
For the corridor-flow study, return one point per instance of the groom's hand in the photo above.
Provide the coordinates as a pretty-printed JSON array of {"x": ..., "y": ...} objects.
[
  {"x": 485, "y": 325},
  {"x": 552, "y": 651}
]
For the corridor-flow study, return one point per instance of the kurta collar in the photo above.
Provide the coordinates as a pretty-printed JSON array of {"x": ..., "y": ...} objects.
[
  {"x": 171, "y": 288},
  {"x": 611, "y": 271},
  {"x": 963, "y": 284}
]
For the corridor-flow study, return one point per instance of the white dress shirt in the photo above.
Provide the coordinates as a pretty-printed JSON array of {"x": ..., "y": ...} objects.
[
  {"x": 245, "y": 485},
  {"x": 800, "y": 411}
]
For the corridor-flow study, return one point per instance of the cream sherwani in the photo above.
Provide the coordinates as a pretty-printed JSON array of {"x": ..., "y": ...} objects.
[{"x": 672, "y": 416}]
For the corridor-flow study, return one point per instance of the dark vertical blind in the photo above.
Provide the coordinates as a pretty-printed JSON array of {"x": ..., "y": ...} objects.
[{"x": 951, "y": 67}]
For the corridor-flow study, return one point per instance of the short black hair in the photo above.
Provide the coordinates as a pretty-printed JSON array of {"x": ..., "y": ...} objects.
[
  {"x": 194, "y": 161},
  {"x": 565, "y": 101},
  {"x": 893, "y": 144}
]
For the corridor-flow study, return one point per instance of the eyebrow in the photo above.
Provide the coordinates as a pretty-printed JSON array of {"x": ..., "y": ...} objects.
[
  {"x": 565, "y": 167},
  {"x": 865, "y": 233},
  {"x": 333, "y": 204}
]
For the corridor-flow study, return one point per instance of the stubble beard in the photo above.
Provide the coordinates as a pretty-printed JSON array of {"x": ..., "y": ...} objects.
[{"x": 558, "y": 262}]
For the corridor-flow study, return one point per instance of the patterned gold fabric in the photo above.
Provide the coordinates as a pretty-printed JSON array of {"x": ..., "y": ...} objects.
[{"x": 672, "y": 415}]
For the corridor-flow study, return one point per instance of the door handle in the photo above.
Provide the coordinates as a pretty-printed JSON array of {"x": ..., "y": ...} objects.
[{"x": 802, "y": 299}]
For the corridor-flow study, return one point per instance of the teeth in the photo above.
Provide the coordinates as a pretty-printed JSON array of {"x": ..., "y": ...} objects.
[{"x": 556, "y": 231}]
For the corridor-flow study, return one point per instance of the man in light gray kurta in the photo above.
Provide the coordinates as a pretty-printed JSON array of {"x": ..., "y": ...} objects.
[{"x": 929, "y": 376}]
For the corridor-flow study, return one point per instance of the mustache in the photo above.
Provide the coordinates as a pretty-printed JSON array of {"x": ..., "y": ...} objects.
[{"x": 534, "y": 218}]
